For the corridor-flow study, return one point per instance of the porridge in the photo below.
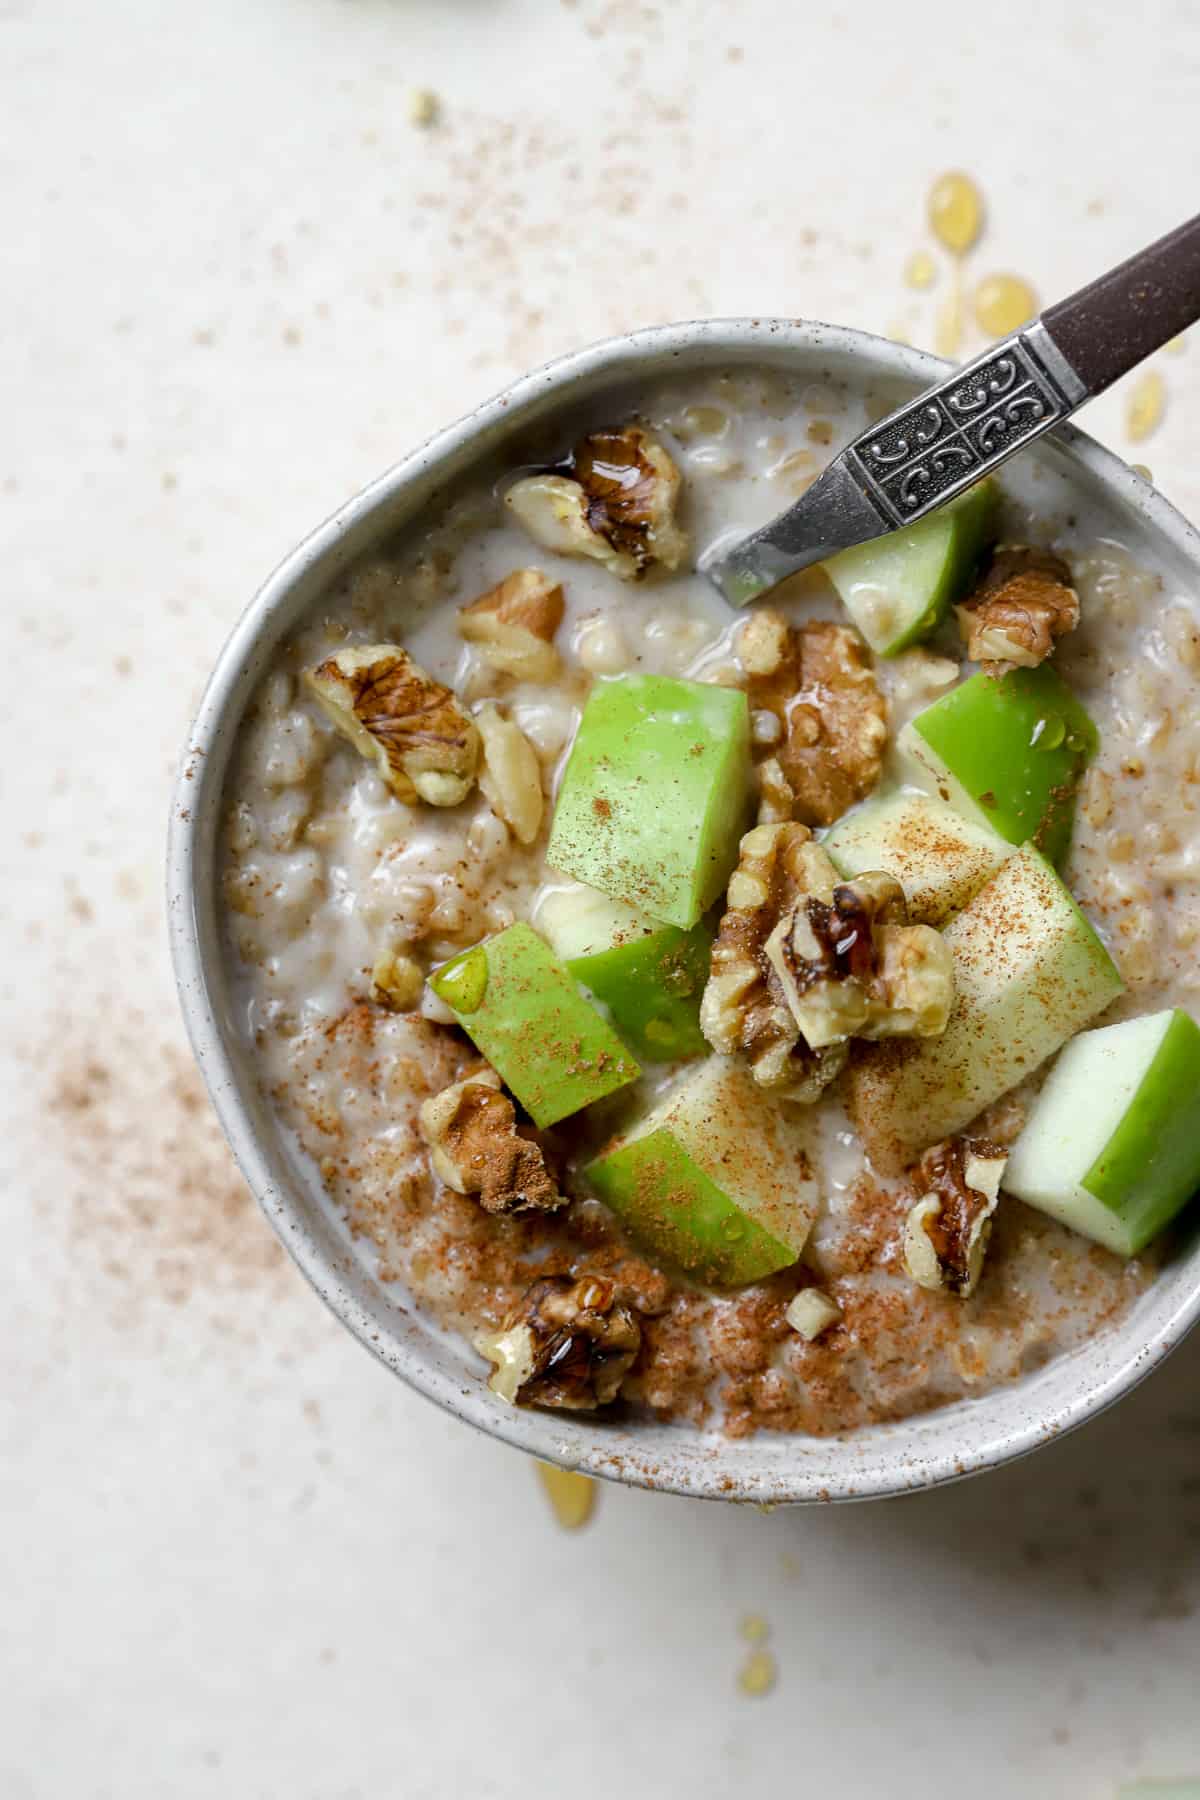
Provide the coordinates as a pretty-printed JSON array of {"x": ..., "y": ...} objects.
[{"x": 774, "y": 1020}]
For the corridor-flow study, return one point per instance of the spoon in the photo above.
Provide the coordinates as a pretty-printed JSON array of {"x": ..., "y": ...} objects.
[{"x": 955, "y": 433}]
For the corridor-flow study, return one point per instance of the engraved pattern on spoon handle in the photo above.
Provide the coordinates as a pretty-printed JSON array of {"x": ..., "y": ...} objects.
[{"x": 926, "y": 452}]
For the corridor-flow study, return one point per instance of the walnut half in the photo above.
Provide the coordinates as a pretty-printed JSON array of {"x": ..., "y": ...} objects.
[
  {"x": 1020, "y": 609},
  {"x": 613, "y": 500},
  {"x": 565, "y": 1344},
  {"x": 849, "y": 965},
  {"x": 514, "y": 624},
  {"x": 401, "y": 718},
  {"x": 818, "y": 682},
  {"x": 477, "y": 1148},
  {"x": 946, "y": 1232},
  {"x": 744, "y": 1009}
]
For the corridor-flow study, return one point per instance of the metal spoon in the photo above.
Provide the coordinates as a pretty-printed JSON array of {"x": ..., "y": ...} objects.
[{"x": 953, "y": 434}]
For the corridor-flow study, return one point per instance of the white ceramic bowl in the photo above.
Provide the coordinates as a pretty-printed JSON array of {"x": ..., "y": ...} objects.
[{"x": 914, "y": 1453}]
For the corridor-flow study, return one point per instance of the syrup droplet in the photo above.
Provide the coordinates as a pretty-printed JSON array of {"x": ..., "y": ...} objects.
[
  {"x": 463, "y": 984},
  {"x": 955, "y": 211},
  {"x": 573, "y": 1496},
  {"x": 1175, "y": 346},
  {"x": 1002, "y": 302},
  {"x": 1144, "y": 470},
  {"x": 758, "y": 1673},
  {"x": 920, "y": 271},
  {"x": 1049, "y": 732},
  {"x": 754, "y": 1628},
  {"x": 1147, "y": 403}
]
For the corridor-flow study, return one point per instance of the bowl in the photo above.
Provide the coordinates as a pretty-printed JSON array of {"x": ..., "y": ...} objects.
[{"x": 919, "y": 1452}]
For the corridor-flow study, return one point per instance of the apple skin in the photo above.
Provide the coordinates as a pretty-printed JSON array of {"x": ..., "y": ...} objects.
[
  {"x": 650, "y": 976},
  {"x": 898, "y": 588},
  {"x": 1131, "y": 1094},
  {"x": 717, "y": 1177},
  {"x": 656, "y": 794},
  {"x": 940, "y": 858},
  {"x": 1007, "y": 753},
  {"x": 652, "y": 988},
  {"x": 1029, "y": 972},
  {"x": 677, "y": 1212},
  {"x": 523, "y": 1010}
]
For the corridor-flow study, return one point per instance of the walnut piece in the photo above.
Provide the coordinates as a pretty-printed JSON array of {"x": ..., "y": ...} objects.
[
  {"x": 512, "y": 775},
  {"x": 743, "y": 1009},
  {"x": 1020, "y": 609},
  {"x": 849, "y": 965},
  {"x": 477, "y": 1148},
  {"x": 408, "y": 723},
  {"x": 514, "y": 624},
  {"x": 613, "y": 500},
  {"x": 565, "y": 1344},
  {"x": 818, "y": 681},
  {"x": 946, "y": 1232},
  {"x": 396, "y": 981}
]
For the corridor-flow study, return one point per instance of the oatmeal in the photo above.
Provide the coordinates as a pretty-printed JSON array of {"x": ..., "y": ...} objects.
[{"x": 692, "y": 1009}]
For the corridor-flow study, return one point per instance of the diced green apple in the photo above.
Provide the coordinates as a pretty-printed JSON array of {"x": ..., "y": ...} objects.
[
  {"x": 1112, "y": 1147},
  {"x": 940, "y": 858},
  {"x": 655, "y": 794},
  {"x": 1006, "y": 753},
  {"x": 650, "y": 976},
  {"x": 716, "y": 1177},
  {"x": 523, "y": 1010},
  {"x": 1029, "y": 972},
  {"x": 898, "y": 588}
]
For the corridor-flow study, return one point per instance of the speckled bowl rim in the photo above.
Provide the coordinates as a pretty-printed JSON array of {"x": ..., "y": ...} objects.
[{"x": 911, "y": 1454}]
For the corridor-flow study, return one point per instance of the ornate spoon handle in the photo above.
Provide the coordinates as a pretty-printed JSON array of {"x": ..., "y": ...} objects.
[{"x": 925, "y": 453}]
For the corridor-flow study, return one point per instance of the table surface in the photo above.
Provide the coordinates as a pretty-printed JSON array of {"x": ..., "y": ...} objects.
[{"x": 239, "y": 281}]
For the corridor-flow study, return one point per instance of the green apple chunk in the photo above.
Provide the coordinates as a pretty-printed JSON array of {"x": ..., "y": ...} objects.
[
  {"x": 940, "y": 859},
  {"x": 650, "y": 976},
  {"x": 1006, "y": 753},
  {"x": 655, "y": 794},
  {"x": 716, "y": 1177},
  {"x": 1112, "y": 1147},
  {"x": 523, "y": 1010},
  {"x": 898, "y": 588},
  {"x": 1029, "y": 972}
]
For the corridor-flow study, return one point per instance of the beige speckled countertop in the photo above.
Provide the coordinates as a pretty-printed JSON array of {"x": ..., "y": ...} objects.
[{"x": 238, "y": 280}]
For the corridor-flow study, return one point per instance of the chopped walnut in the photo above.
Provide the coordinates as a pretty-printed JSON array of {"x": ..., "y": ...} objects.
[
  {"x": 396, "y": 981},
  {"x": 614, "y": 500},
  {"x": 818, "y": 681},
  {"x": 566, "y": 1344},
  {"x": 849, "y": 965},
  {"x": 1022, "y": 606},
  {"x": 744, "y": 1009},
  {"x": 411, "y": 725},
  {"x": 946, "y": 1232},
  {"x": 514, "y": 625},
  {"x": 476, "y": 1147},
  {"x": 775, "y": 796},
  {"x": 512, "y": 775}
]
